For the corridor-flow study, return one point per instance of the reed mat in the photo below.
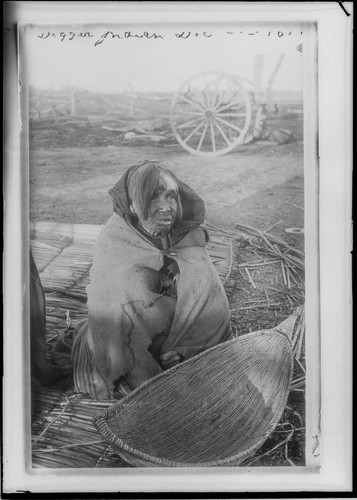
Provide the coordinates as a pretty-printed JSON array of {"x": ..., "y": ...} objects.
[
  {"x": 63, "y": 435},
  {"x": 264, "y": 281}
]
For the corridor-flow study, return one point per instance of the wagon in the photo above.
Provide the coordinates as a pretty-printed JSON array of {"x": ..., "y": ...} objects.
[{"x": 211, "y": 113}]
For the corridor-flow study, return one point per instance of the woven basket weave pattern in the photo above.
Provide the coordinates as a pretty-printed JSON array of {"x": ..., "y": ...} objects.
[{"x": 212, "y": 410}]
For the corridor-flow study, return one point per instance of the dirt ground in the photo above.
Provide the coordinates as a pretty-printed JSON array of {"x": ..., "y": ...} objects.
[{"x": 260, "y": 185}]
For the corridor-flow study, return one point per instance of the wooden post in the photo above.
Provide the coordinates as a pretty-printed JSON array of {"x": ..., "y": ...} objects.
[{"x": 273, "y": 75}]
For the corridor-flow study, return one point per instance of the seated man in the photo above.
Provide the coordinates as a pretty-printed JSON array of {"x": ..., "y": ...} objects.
[{"x": 154, "y": 298}]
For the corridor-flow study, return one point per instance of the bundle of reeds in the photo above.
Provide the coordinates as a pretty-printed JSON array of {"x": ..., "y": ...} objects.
[
  {"x": 292, "y": 259},
  {"x": 264, "y": 245},
  {"x": 63, "y": 432},
  {"x": 270, "y": 257}
]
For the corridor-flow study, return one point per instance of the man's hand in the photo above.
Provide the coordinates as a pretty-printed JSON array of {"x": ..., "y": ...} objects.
[{"x": 170, "y": 359}]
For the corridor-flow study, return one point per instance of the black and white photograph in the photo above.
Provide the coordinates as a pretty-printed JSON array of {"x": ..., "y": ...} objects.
[{"x": 170, "y": 204}]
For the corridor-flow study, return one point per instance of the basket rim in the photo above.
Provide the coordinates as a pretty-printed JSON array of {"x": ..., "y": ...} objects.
[{"x": 100, "y": 420}]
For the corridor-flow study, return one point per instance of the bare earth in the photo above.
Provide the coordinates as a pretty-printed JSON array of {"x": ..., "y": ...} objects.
[{"x": 259, "y": 184}]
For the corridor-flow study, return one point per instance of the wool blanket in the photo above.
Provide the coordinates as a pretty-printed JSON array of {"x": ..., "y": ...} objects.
[{"x": 127, "y": 311}]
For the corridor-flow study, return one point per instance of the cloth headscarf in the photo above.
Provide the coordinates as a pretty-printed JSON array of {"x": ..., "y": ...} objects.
[{"x": 192, "y": 204}]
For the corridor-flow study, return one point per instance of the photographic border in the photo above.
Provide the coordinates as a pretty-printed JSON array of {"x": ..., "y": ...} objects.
[{"x": 328, "y": 265}]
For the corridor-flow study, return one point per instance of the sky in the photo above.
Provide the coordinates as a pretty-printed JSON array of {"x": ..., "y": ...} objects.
[{"x": 160, "y": 58}]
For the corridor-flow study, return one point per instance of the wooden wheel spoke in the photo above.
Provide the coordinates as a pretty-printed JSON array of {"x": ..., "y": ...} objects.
[
  {"x": 211, "y": 87},
  {"x": 230, "y": 115},
  {"x": 189, "y": 123},
  {"x": 229, "y": 124},
  {"x": 193, "y": 132},
  {"x": 194, "y": 104},
  {"x": 222, "y": 134},
  {"x": 205, "y": 91},
  {"x": 199, "y": 97},
  {"x": 206, "y": 97},
  {"x": 208, "y": 94},
  {"x": 212, "y": 101},
  {"x": 191, "y": 113},
  {"x": 227, "y": 106},
  {"x": 214, "y": 97},
  {"x": 221, "y": 100},
  {"x": 203, "y": 100},
  {"x": 213, "y": 138},
  {"x": 202, "y": 137}
]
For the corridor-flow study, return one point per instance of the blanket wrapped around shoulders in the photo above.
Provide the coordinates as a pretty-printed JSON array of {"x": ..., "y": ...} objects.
[{"x": 127, "y": 310}]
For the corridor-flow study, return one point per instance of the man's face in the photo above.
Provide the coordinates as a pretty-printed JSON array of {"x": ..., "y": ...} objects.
[{"x": 162, "y": 212}]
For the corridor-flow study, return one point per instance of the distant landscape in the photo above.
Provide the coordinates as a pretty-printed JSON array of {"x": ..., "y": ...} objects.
[{"x": 77, "y": 102}]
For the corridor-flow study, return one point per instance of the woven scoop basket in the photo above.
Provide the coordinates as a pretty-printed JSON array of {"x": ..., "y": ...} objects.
[{"x": 212, "y": 410}]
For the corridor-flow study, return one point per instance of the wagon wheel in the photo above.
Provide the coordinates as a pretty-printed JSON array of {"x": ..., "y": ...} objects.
[{"x": 211, "y": 113}]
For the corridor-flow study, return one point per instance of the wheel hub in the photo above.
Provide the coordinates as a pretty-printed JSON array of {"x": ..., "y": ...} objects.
[{"x": 209, "y": 114}]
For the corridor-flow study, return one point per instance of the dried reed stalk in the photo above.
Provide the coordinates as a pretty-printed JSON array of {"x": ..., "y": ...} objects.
[
  {"x": 67, "y": 446},
  {"x": 269, "y": 452},
  {"x": 250, "y": 278},
  {"x": 51, "y": 423}
]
